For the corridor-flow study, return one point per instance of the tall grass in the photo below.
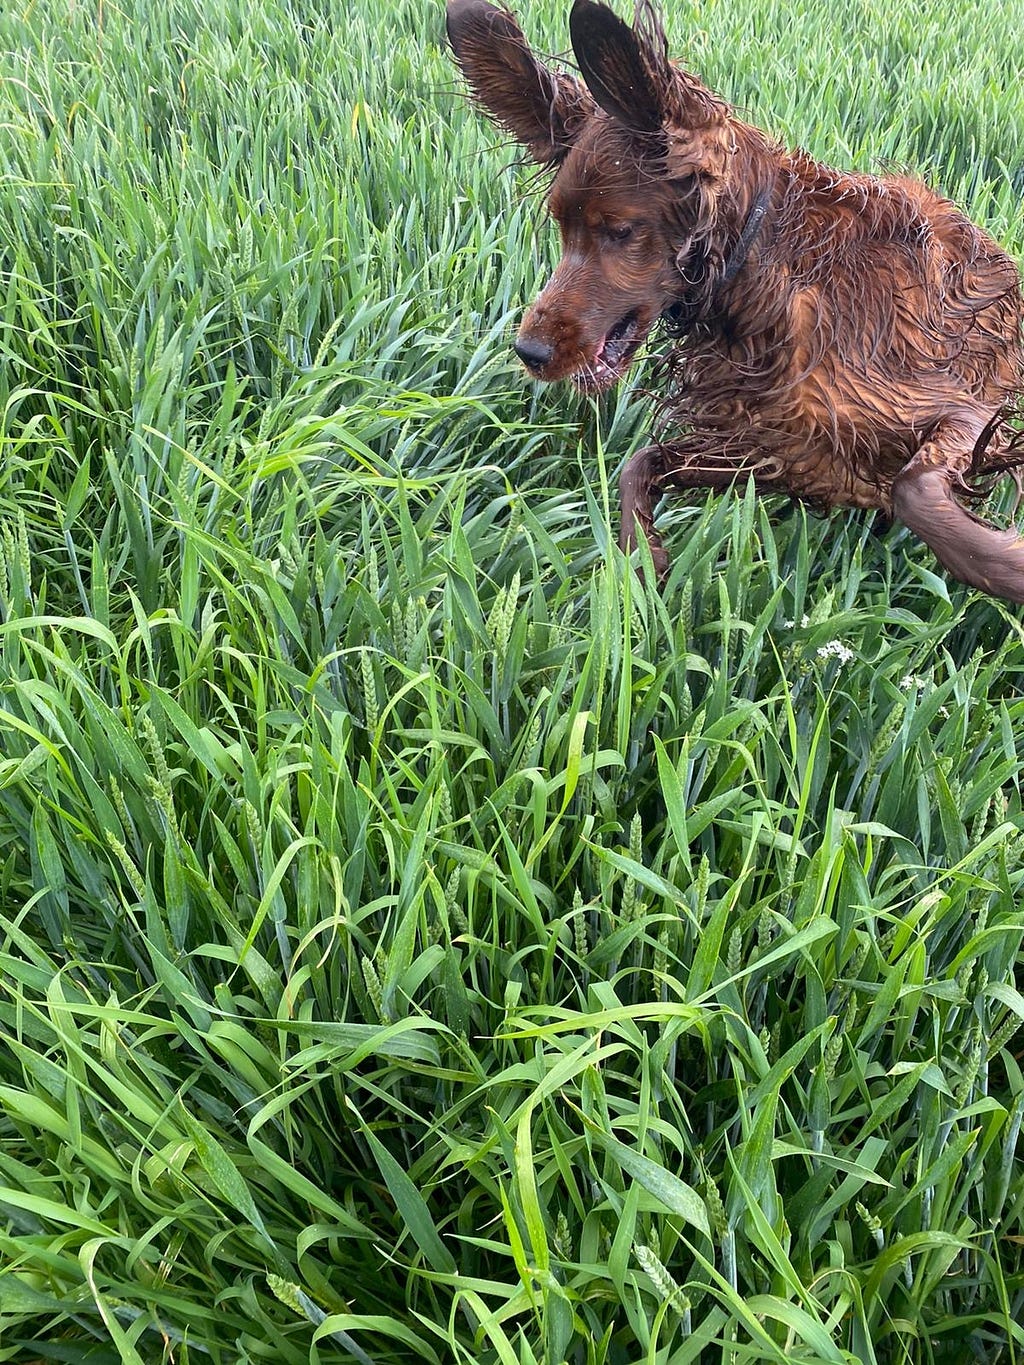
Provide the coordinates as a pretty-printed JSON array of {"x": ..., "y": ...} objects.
[{"x": 419, "y": 940}]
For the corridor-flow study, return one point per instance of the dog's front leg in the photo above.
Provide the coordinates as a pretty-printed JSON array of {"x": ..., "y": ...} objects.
[
  {"x": 641, "y": 473},
  {"x": 658, "y": 467}
]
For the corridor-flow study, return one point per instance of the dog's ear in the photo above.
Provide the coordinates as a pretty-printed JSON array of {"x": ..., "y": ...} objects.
[
  {"x": 614, "y": 67},
  {"x": 628, "y": 72},
  {"x": 541, "y": 108}
]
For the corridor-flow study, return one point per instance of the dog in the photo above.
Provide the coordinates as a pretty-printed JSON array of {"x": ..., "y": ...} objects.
[{"x": 849, "y": 340}]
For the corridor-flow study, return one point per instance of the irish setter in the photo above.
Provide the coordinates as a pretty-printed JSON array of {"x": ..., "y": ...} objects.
[{"x": 846, "y": 339}]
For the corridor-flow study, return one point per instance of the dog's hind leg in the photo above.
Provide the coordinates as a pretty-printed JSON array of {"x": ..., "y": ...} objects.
[{"x": 924, "y": 498}]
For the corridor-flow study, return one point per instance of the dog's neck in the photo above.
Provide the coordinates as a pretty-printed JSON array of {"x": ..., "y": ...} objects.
[
  {"x": 749, "y": 234},
  {"x": 706, "y": 301}
]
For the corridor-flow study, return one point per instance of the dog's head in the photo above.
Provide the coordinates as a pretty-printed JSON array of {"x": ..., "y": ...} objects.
[{"x": 639, "y": 150}]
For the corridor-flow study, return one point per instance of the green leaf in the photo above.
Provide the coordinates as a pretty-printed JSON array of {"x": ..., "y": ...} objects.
[{"x": 409, "y": 1202}]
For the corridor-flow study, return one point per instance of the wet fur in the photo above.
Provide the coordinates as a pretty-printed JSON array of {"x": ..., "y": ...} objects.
[{"x": 846, "y": 339}]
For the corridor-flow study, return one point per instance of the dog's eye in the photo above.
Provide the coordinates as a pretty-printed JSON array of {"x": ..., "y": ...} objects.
[{"x": 618, "y": 232}]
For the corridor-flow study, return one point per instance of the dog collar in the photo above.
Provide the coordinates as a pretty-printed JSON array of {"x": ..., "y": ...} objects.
[
  {"x": 747, "y": 237},
  {"x": 683, "y": 315}
]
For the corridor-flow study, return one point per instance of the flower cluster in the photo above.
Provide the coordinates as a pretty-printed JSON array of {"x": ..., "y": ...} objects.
[{"x": 835, "y": 649}]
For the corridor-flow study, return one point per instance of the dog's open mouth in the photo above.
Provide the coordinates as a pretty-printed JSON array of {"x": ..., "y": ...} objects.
[{"x": 613, "y": 356}]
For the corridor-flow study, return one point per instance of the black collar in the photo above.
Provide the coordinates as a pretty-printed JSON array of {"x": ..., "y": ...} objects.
[
  {"x": 680, "y": 317},
  {"x": 747, "y": 238}
]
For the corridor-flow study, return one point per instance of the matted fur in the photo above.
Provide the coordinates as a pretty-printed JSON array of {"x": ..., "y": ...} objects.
[{"x": 847, "y": 339}]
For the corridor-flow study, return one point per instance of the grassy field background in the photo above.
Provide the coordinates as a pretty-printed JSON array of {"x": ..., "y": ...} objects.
[{"x": 418, "y": 941}]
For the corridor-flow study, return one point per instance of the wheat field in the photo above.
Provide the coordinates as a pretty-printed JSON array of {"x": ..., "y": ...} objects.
[{"x": 419, "y": 940}]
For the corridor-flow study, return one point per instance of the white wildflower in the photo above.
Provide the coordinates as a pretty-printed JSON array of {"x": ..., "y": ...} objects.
[{"x": 835, "y": 649}]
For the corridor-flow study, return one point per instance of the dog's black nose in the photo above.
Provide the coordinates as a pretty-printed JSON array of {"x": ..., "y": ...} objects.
[{"x": 534, "y": 354}]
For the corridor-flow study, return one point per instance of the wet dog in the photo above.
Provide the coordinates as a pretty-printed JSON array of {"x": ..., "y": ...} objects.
[{"x": 847, "y": 339}]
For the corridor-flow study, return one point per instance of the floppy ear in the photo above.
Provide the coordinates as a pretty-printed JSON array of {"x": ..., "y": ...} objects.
[
  {"x": 542, "y": 109},
  {"x": 628, "y": 72}
]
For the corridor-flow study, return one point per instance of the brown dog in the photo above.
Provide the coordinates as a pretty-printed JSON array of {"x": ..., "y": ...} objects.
[{"x": 845, "y": 339}]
